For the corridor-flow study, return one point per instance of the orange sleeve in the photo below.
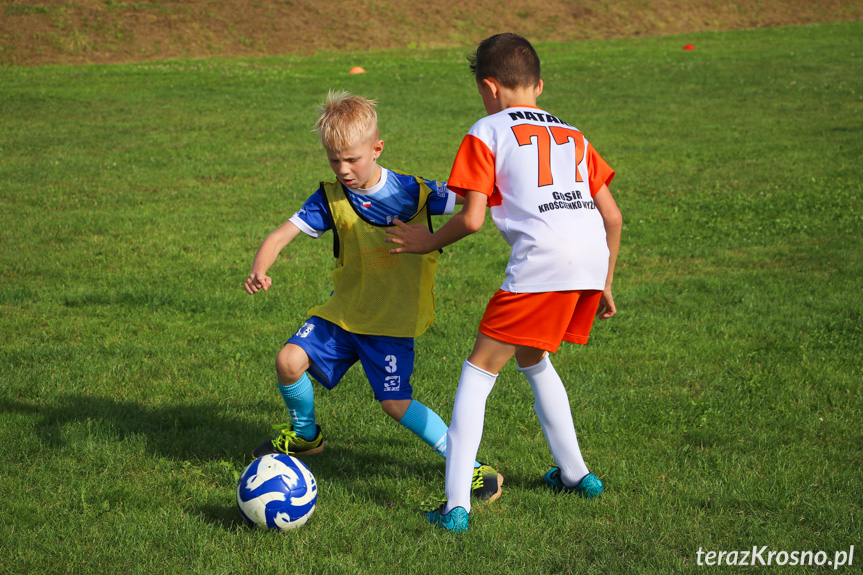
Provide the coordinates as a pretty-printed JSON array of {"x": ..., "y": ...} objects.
[
  {"x": 598, "y": 171},
  {"x": 473, "y": 168}
]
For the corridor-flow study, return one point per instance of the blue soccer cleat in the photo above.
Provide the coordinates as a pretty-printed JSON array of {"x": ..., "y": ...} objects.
[
  {"x": 590, "y": 486},
  {"x": 455, "y": 521}
]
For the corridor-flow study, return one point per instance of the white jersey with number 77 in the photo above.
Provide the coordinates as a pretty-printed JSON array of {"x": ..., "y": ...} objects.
[{"x": 540, "y": 174}]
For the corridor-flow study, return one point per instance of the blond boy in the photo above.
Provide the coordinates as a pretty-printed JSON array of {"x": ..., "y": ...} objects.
[{"x": 380, "y": 302}]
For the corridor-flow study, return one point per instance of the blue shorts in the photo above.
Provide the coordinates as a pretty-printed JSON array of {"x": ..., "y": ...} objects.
[{"x": 387, "y": 361}]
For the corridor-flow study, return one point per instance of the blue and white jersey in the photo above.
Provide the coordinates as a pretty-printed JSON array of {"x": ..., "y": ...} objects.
[{"x": 394, "y": 196}]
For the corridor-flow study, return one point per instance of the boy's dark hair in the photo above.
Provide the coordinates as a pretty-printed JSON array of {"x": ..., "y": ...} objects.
[{"x": 508, "y": 58}]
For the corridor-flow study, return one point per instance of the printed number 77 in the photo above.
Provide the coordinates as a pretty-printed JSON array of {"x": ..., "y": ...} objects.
[{"x": 524, "y": 134}]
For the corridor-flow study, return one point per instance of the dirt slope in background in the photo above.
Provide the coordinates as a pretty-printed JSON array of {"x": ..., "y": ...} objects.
[{"x": 97, "y": 31}]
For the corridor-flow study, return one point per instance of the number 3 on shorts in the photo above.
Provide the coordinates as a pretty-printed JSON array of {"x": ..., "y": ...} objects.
[{"x": 391, "y": 364}]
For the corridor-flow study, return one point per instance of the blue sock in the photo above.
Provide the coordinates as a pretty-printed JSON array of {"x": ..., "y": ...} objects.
[
  {"x": 300, "y": 399},
  {"x": 427, "y": 425}
]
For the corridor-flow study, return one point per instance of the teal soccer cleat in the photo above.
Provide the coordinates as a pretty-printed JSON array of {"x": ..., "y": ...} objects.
[
  {"x": 590, "y": 486},
  {"x": 455, "y": 521}
]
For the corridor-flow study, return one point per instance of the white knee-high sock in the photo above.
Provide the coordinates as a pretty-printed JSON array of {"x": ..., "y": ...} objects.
[
  {"x": 551, "y": 405},
  {"x": 465, "y": 433}
]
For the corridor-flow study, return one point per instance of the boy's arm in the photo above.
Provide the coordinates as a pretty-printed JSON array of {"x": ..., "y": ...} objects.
[
  {"x": 266, "y": 257},
  {"x": 417, "y": 239},
  {"x": 613, "y": 222}
]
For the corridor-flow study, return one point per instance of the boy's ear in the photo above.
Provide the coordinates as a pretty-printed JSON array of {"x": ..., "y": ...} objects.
[
  {"x": 493, "y": 86},
  {"x": 538, "y": 89},
  {"x": 378, "y": 148}
]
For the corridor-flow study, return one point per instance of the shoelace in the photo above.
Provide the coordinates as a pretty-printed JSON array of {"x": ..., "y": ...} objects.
[
  {"x": 285, "y": 435},
  {"x": 478, "y": 479}
]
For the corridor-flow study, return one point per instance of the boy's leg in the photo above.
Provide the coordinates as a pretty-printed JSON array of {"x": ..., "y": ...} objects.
[
  {"x": 316, "y": 349},
  {"x": 302, "y": 436},
  {"x": 388, "y": 363},
  {"x": 486, "y": 482},
  {"x": 296, "y": 389},
  {"x": 551, "y": 405},
  {"x": 478, "y": 376},
  {"x": 420, "y": 420}
]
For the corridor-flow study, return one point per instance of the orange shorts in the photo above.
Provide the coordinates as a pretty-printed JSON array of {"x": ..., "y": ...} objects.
[{"x": 541, "y": 320}]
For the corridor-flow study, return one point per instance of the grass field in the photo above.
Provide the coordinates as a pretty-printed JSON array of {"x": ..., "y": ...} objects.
[{"x": 718, "y": 407}]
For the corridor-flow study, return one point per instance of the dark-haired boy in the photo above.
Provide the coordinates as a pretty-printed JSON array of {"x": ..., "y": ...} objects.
[{"x": 547, "y": 191}]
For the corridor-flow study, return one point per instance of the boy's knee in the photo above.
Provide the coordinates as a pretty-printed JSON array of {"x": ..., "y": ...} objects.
[
  {"x": 529, "y": 356},
  {"x": 396, "y": 408},
  {"x": 291, "y": 363}
]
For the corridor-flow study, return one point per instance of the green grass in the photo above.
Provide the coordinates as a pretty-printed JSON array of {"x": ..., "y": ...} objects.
[{"x": 718, "y": 407}]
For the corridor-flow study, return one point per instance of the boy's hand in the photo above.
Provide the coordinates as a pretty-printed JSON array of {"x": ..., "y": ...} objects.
[
  {"x": 606, "y": 307},
  {"x": 257, "y": 281},
  {"x": 413, "y": 239}
]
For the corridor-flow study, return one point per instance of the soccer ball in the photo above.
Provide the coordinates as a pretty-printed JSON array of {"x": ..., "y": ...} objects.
[{"x": 277, "y": 491}]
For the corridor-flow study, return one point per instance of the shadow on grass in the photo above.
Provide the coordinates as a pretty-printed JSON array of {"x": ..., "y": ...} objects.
[
  {"x": 223, "y": 516},
  {"x": 183, "y": 432},
  {"x": 381, "y": 471}
]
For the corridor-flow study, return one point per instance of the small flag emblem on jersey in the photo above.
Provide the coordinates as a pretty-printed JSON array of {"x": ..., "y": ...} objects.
[{"x": 367, "y": 204}]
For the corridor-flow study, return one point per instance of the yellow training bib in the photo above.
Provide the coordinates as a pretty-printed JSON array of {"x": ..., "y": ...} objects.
[{"x": 376, "y": 293}]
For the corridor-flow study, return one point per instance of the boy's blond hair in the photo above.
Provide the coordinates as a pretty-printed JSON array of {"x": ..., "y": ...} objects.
[{"x": 346, "y": 121}]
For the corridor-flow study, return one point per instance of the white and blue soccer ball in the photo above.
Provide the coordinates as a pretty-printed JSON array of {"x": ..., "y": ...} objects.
[{"x": 277, "y": 491}]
